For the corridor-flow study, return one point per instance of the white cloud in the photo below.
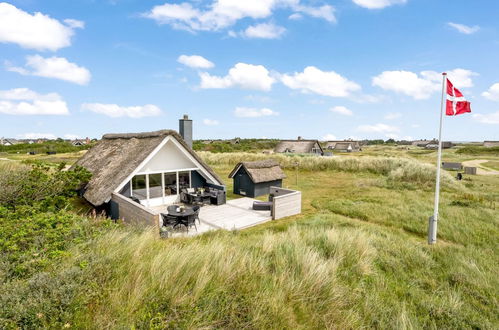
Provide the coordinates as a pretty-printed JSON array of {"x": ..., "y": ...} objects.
[
  {"x": 424, "y": 85},
  {"x": 242, "y": 75},
  {"x": 210, "y": 122},
  {"x": 314, "y": 80},
  {"x": 23, "y": 101},
  {"x": 295, "y": 16},
  {"x": 114, "y": 110},
  {"x": 406, "y": 82},
  {"x": 377, "y": 4},
  {"x": 325, "y": 12},
  {"x": 253, "y": 112},
  {"x": 490, "y": 118},
  {"x": 37, "y": 31},
  {"x": 74, "y": 23},
  {"x": 329, "y": 137},
  {"x": 464, "y": 28},
  {"x": 415, "y": 125},
  {"x": 33, "y": 136},
  {"x": 393, "y": 115},
  {"x": 378, "y": 128},
  {"x": 492, "y": 93},
  {"x": 264, "y": 31},
  {"x": 195, "y": 61},
  {"x": 53, "y": 67},
  {"x": 461, "y": 78},
  {"x": 398, "y": 137},
  {"x": 221, "y": 14},
  {"x": 341, "y": 110}
]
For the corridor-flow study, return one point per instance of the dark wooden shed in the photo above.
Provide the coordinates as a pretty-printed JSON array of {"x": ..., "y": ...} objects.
[{"x": 253, "y": 179}]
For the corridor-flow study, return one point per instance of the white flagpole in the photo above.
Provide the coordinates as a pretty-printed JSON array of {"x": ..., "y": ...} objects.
[{"x": 432, "y": 227}]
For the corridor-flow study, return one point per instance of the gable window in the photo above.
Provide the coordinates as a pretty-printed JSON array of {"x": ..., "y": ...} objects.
[
  {"x": 170, "y": 184},
  {"x": 139, "y": 186},
  {"x": 155, "y": 186},
  {"x": 184, "y": 180}
]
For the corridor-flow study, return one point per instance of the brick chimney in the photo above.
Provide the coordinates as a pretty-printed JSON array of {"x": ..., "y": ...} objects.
[{"x": 185, "y": 130}]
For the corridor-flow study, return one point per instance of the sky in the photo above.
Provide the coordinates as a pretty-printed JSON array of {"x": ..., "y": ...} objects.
[{"x": 252, "y": 69}]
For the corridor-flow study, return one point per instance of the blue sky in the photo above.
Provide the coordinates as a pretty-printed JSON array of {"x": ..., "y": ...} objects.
[{"x": 260, "y": 68}]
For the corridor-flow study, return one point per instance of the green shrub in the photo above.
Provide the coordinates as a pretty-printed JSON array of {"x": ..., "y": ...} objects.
[{"x": 478, "y": 150}]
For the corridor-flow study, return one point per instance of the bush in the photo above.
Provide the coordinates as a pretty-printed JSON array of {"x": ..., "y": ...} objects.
[
  {"x": 46, "y": 185},
  {"x": 478, "y": 150}
]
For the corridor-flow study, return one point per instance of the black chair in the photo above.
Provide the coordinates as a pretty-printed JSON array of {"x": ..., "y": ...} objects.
[
  {"x": 168, "y": 220},
  {"x": 171, "y": 208},
  {"x": 191, "y": 221},
  {"x": 196, "y": 209}
]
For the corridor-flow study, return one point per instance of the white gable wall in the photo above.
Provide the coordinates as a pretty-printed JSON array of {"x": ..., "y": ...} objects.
[{"x": 168, "y": 158}]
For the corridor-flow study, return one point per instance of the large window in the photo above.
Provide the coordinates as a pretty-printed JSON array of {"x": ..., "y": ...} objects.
[
  {"x": 170, "y": 184},
  {"x": 139, "y": 188},
  {"x": 155, "y": 185},
  {"x": 184, "y": 180}
]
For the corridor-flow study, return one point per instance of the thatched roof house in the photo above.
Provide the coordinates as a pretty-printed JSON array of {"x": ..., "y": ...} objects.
[
  {"x": 254, "y": 179},
  {"x": 490, "y": 144},
  {"x": 299, "y": 146},
  {"x": 142, "y": 165},
  {"x": 343, "y": 146}
]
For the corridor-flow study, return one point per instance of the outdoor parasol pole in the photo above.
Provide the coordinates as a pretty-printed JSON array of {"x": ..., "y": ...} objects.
[{"x": 432, "y": 225}]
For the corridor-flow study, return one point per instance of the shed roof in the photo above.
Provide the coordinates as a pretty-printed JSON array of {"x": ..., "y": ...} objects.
[
  {"x": 261, "y": 171},
  {"x": 117, "y": 156},
  {"x": 297, "y": 146}
]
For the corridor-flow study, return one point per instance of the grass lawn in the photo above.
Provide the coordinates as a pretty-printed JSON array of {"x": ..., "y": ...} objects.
[{"x": 356, "y": 257}]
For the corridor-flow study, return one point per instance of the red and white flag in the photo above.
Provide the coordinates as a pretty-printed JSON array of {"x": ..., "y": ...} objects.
[{"x": 456, "y": 103}]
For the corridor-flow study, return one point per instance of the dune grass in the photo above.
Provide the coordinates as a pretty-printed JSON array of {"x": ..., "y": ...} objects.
[{"x": 355, "y": 258}]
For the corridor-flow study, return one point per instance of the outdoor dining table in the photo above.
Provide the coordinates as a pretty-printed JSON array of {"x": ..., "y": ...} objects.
[{"x": 180, "y": 214}]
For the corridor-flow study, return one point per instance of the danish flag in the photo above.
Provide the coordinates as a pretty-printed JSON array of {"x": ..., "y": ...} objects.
[{"x": 456, "y": 103}]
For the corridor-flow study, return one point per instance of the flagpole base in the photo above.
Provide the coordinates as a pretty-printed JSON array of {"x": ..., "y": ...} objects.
[{"x": 432, "y": 230}]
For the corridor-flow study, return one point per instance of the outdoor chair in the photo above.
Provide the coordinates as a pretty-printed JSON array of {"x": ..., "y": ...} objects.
[
  {"x": 191, "y": 221},
  {"x": 171, "y": 208},
  {"x": 135, "y": 199},
  {"x": 196, "y": 209},
  {"x": 168, "y": 220},
  {"x": 262, "y": 206}
]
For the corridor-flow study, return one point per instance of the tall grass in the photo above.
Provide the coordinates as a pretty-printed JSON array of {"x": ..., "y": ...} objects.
[
  {"x": 395, "y": 169},
  {"x": 293, "y": 279}
]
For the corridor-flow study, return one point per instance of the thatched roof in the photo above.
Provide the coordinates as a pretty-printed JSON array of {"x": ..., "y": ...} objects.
[
  {"x": 260, "y": 171},
  {"x": 297, "y": 146},
  {"x": 342, "y": 145},
  {"x": 116, "y": 156}
]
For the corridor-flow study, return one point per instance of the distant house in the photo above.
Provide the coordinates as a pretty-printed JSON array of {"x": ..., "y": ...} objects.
[
  {"x": 299, "y": 146},
  {"x": 343, "y": 146},
  {"x": 78, "y": 142},
  {"x": 490, "y": 144},
  {"x": 235, "y": 141},
  {"x": 423, "y": 143},
  {"x": 254, "y": 179},
  {"x": 434, "y": 145},
  {"x": 8, "y": 142}
]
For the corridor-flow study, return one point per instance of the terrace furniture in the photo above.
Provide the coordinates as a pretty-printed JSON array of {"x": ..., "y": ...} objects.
[
  {"x": 168, "y": 220},
  {"x": 217, "y": 196},
  {"x": 187, "y": 217},
  {"x": 135, "y": 199},
  {"x": 262, "y": 206},
  {"x": 196, "y": 209}
]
